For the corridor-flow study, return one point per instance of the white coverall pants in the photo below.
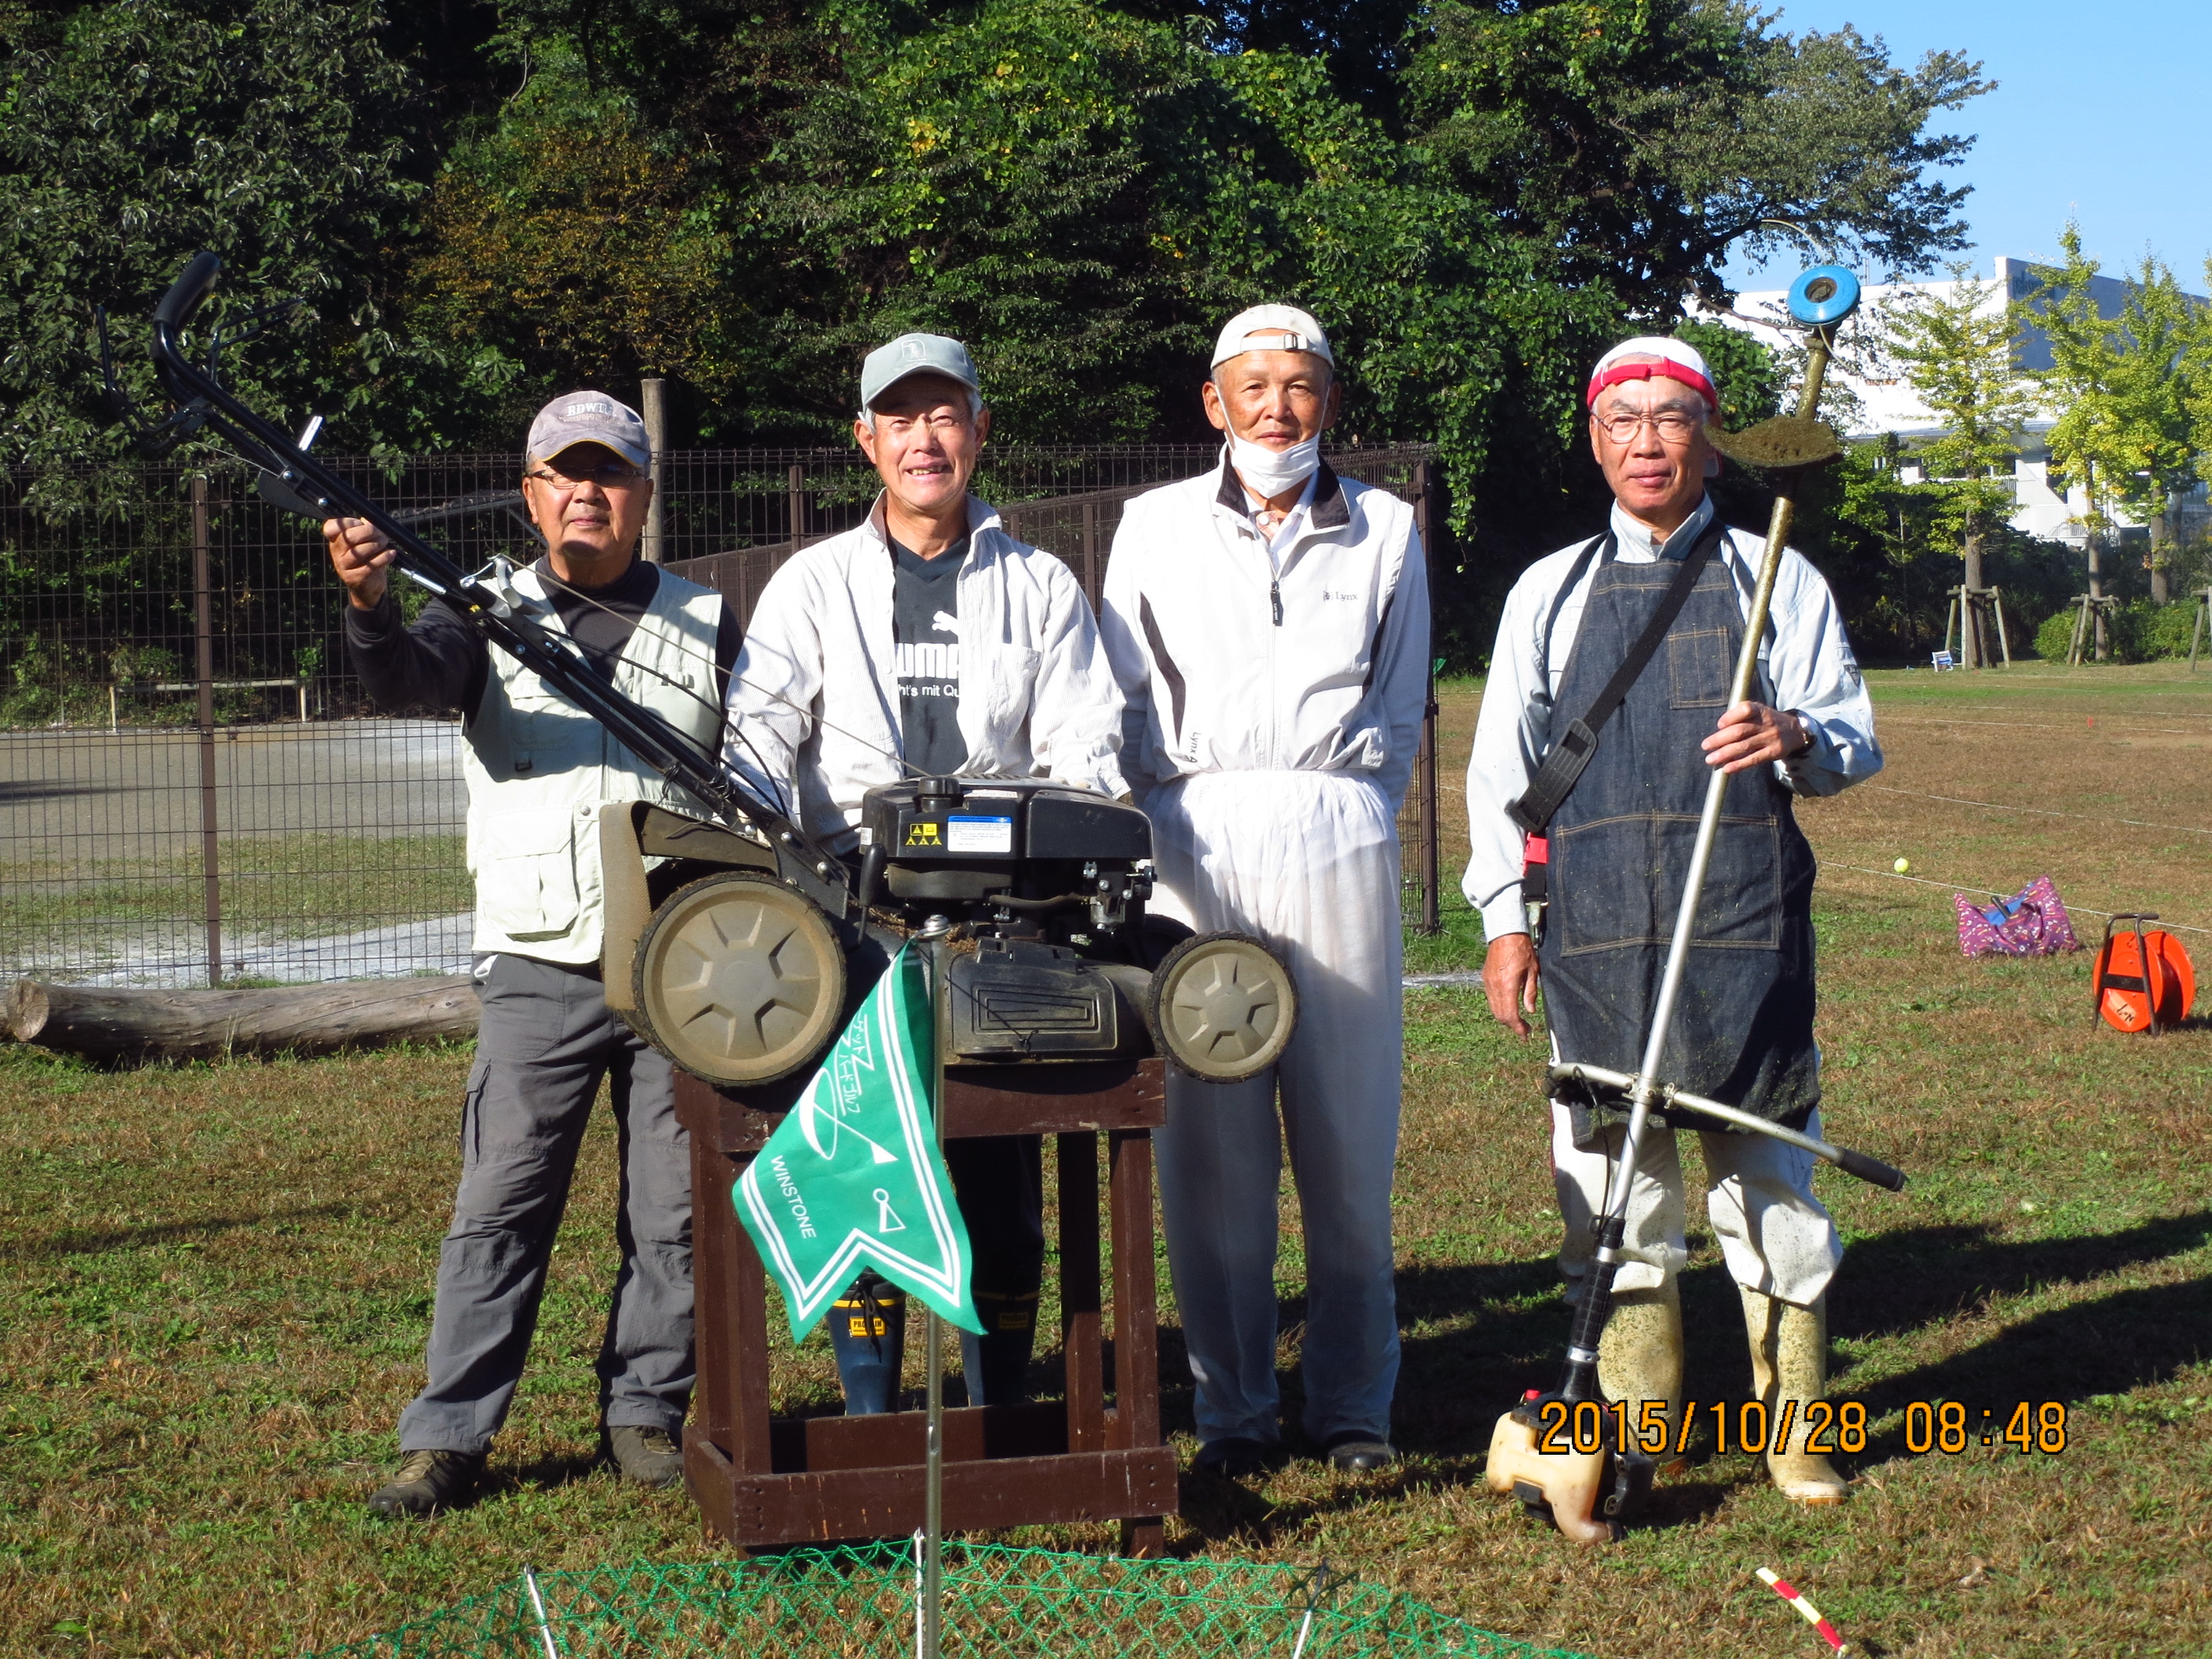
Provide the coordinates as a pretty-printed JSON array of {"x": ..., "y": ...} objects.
[
  {"x": 1774, "y": 1234},
  {"x": 1307, "y": 862}
]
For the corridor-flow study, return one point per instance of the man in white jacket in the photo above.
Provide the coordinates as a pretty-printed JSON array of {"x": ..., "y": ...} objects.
[
  {"x": 928, "y": 640},
  {"x": 1269, "y": 625}
]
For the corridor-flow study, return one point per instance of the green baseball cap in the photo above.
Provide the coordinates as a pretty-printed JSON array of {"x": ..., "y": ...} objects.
[{"x": 916, "y": 354}]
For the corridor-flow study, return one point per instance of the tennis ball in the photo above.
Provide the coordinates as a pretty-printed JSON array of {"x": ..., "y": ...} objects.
[{"x": 1902, "y": 866}]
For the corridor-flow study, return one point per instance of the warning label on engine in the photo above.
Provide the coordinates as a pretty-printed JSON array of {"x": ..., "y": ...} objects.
[{"x": 977, "y": 834}]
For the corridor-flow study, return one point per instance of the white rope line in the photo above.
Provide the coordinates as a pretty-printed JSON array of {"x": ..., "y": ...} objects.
[
  {"x": 2031, "y": 725},
  {"x": 1955, "y": 887},
  {"x": 2040, "y": 811}
]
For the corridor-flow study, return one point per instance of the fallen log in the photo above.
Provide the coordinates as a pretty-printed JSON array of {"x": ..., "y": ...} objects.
[{"x": 105, "y": 1023}]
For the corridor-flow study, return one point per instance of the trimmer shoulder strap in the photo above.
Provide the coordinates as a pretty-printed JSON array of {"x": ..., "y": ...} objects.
[{"x": 1572, "y": 750}]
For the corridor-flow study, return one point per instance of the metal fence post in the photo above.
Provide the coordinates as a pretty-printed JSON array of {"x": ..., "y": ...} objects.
[
  {"x": 656, "y": 439},
  {"x": 1091, "y": 551},
  {"x": 1426, "y": 763},
  {"x": 204, "y": 606},
  {"x": 796, "y": 481}
]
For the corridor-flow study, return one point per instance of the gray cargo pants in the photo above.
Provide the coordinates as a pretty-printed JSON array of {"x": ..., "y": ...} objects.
[{"x": 546, "y": 1040}]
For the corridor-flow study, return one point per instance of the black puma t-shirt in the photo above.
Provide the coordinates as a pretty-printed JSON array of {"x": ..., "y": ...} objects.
[{"x": 926, "y": 635}]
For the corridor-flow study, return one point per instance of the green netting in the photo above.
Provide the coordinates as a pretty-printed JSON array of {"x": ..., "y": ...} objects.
[{"x": 860, "y": 1604}]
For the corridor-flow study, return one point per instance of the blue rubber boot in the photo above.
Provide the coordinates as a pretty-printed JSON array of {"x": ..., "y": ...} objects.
[
  {"x": 868, "y": 1333},
  {"x": 997, "y": 1363}
]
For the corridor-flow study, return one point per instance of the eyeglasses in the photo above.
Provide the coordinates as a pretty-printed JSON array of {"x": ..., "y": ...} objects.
[
  {"x": 938, "y": 423},
  {"x": 1674, "y": 426},
  {"x": 608, "y": 475}
]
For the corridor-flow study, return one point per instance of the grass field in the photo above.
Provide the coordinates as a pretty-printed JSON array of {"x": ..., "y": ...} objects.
[{"x": 217, "y": 1279}]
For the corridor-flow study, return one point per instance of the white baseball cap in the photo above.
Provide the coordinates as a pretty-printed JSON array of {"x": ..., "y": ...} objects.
[{"x": 1272, "y": 328}]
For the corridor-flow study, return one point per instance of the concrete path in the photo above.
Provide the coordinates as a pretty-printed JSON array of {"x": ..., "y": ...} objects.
[{"x": 437, "y": 946}]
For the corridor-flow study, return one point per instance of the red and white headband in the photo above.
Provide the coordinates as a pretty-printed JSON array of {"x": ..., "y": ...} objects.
[{"x": 1677, "y": 361}]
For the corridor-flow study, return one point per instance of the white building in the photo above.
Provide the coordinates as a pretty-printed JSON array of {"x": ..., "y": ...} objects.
[{"x": 1881, "y": 400}]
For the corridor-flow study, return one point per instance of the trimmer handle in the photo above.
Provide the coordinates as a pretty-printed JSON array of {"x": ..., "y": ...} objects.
[
  {"x": 188, "y": 293},
  {"x": 1870, "y": 1168}
]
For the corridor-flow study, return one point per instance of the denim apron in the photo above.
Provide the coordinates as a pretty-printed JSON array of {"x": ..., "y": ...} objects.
[{"x": 1620, "y": 847}]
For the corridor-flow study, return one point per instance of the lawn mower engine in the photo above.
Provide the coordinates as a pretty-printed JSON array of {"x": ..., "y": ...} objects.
[{"x": 743, "y": 976}]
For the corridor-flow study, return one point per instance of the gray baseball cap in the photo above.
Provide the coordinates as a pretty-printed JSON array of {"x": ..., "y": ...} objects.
[
  {"x": 590, "y": 417},
  {"x": 916, "y": 354}
]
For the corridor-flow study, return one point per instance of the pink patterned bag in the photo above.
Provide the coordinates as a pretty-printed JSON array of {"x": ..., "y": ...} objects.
[{"x": 2032, "y": 923}]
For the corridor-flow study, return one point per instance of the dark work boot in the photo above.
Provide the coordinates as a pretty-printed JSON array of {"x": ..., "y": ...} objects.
[
  {"x": 428, "y": 1481},
  {"x": 997, "y": 1363},
  {"x": 646, "y": 1457},
  {"x": 868, "y": 1333}
]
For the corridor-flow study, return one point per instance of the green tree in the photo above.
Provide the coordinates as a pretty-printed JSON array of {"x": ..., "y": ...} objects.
[
  {"x": 2156, "y": 327},
  {"x": 1639, "y": 142},
  {"x": 2089, "y": 444},
  {"x": 1957, "y": 351},
  {"x": 134, "y": 133}
]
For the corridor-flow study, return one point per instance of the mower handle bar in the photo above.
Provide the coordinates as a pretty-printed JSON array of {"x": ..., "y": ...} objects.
[
  {"x": 188, "y": 293},
  {"x": 1870, "y": 1170},
  {"x": 645, "y": 732}
]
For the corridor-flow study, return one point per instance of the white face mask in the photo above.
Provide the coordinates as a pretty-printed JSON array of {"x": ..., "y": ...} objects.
[{"x": 1271, "y": 471}]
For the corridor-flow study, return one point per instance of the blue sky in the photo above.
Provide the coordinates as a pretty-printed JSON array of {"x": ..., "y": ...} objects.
[{"x": 2100, "y": 113}]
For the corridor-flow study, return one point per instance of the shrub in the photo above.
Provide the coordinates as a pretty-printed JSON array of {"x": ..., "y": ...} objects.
[
  {"x": 2057, "y": 634},
  {"x": 2138, "y": 631}
]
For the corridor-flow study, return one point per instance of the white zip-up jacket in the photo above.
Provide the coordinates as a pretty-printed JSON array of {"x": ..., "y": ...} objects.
[
  {"x": 1233, "y": 657},
  {"x": 814, "y": 704}
]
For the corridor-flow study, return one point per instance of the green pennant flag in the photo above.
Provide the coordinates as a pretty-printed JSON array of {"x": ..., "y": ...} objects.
[{"x": 852, "y": 1176}]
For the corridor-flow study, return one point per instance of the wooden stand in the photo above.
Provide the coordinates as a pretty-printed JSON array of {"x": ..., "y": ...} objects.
[{"x": 761, "y": 1481}]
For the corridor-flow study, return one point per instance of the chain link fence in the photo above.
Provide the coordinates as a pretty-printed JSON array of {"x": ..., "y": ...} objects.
[{"x": 195, "y": 790}]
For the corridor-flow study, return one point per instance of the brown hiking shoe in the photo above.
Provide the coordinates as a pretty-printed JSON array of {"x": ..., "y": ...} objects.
[
  {"x": 647, "y": 1457},
  {"x": 428, "y": 1481}
]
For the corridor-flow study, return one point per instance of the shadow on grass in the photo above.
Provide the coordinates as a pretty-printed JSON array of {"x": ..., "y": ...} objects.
[
  {"x": 1902, "y": 1280},
  {"x": 2133, "y": 1339},
  {"x": 546, "y": 1473},
  {"x": 1510, "y": 1329},
  {"x": 71, "y": 1240}
]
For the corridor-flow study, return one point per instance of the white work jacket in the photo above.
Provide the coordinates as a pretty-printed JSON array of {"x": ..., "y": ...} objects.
[
  {"x": 814, "y": 704},
  {"x": 1805, "y": 666},
  {"x": 1233, "y": 657}
]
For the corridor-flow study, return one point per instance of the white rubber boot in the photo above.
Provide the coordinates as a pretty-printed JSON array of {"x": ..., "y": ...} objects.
[
  {"x": 1639, "y": 1359},
  {"x": 1789, "y": 1366}
]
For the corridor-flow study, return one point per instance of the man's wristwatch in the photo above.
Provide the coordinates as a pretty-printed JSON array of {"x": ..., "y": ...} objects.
[{"x": 1804, "y": 732}]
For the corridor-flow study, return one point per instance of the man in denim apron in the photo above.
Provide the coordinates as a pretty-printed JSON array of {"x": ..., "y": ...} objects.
[{"x": 1619, "y": 850}]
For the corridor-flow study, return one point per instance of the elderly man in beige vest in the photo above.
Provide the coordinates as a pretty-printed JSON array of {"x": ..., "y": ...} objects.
[{"x": 538, "y": 768}]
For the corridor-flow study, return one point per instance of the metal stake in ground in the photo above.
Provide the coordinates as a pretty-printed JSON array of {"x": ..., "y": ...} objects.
[
  {"x": 1567, "y": 1483},
  {"x": 538, "y": 1610},
  {"x": 937, "y": 933}
]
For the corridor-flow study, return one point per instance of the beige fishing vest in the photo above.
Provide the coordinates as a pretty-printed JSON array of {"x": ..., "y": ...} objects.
[{"x": 539, "y": 767}]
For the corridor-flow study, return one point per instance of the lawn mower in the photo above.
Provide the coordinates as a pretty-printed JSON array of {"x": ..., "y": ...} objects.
[{"x": 735, "y": 942}]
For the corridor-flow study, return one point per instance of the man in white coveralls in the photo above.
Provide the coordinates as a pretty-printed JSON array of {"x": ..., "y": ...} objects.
[{"x": 1269, "y": 625}]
